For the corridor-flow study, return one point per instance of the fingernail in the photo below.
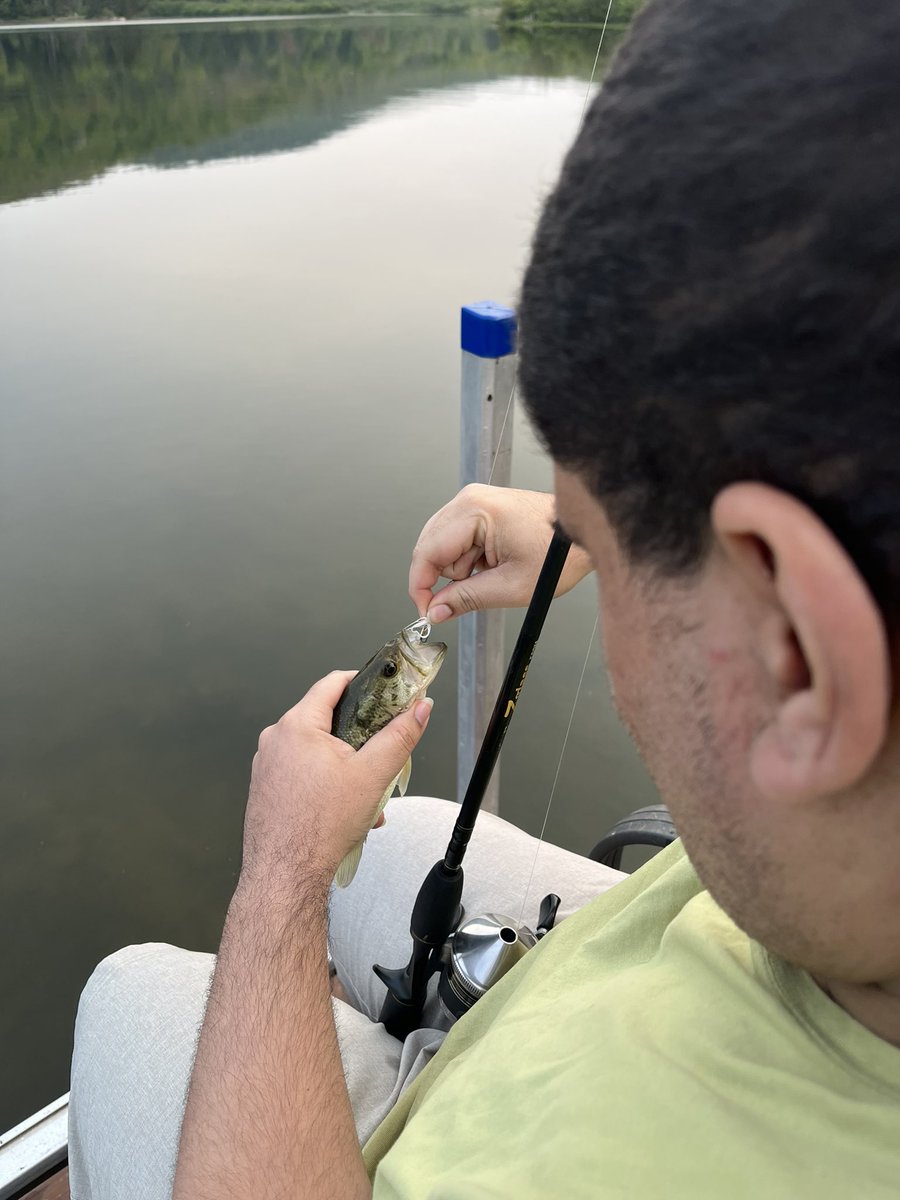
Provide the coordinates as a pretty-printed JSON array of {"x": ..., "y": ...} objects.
[
  {"x": 439, "y": 613},
  {"x": 423, "y": 710}
]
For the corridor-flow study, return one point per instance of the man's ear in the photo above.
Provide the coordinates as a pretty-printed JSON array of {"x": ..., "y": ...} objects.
[{"x": 824, "y": 644}]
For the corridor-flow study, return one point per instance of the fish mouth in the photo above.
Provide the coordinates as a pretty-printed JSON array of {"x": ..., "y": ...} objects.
[{"x": 424, "y": 659}]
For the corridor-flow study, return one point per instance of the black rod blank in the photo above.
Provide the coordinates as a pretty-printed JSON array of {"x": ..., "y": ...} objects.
[
  {"x": 437, "y": 908},
  {"x": 507, "y": 699}
]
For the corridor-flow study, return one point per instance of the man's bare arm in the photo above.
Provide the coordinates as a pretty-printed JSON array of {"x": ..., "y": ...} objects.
[{"x": 268, "y": 1114}]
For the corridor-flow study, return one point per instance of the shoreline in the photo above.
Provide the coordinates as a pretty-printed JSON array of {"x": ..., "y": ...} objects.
[
  {"x": 125, "y": 23},
  {"x": 480, "y": 11}
]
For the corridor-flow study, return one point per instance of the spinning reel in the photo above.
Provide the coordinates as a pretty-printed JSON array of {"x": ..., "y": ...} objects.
[{"x": 481, "y": 951}]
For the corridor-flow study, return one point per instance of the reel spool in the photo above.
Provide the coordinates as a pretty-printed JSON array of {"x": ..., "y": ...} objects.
[{"x": 481, "y": 951}]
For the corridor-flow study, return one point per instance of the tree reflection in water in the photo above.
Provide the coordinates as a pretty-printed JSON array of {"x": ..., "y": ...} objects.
[{"x": 76, "y": 102}]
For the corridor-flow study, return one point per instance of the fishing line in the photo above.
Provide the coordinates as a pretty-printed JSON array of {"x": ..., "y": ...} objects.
[
  {"x": 562, "y": 753},
  {"x": 502, "y": 427},
  {"x": 587, "y": 94}
]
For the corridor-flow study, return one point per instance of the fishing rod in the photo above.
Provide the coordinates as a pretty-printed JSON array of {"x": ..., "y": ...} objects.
[{"x": 437, "y": 909}]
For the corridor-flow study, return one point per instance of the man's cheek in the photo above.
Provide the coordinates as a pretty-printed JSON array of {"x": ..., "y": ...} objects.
[
  {"x": 623, "y": 652},
  {"x": 624, "y": 689}
]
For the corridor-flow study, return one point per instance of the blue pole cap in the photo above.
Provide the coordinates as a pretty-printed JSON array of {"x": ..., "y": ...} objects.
[{"x": 488, "y": 330}]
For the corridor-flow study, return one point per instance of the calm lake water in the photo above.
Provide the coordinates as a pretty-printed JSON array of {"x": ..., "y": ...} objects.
[{"x": 231, "y": 264}]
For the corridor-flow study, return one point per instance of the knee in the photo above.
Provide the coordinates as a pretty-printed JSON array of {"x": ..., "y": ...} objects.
[
  {"x": 127, "y": 970},
  {"x": 422, "y": 812},
  {"x": 135, "y": 1038},
  {"x": 110, "y": 971},
  {"x": 108, "y": 977},
  {"x": 112, "y": 981},
  {"x": 131, "y": 984}
]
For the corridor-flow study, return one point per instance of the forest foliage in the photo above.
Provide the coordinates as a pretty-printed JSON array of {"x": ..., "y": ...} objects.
[
  {"x": 77, "y": 102},
  {"x": 569, "y": 12}
]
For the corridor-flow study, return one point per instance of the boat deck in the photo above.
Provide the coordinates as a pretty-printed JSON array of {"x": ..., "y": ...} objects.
[{"x": 54, "y": 1188}]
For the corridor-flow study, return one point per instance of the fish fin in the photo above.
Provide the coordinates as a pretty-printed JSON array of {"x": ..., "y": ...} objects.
[
  {"x": 347, "y": 869},
  {"x": 403, "y": 778},
  {"x": 350, "y": 862}
]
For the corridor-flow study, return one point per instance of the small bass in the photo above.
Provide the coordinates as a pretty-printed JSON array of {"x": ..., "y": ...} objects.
[{"x": 390, "y": 683}]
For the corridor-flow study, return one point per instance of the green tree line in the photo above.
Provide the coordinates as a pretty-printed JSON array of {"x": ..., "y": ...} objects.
[
  {"x": 50, "y": 10},
  {"x": 512, "y": 11},
  {"x": 76, "y": 102},
  {"x": 569, "y": 12}
]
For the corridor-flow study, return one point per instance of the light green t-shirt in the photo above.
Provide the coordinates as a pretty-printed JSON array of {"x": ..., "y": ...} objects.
[{"x": 647, "y": 1048}]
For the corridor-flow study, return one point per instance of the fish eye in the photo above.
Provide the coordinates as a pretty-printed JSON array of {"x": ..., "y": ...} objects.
[{"x": 389, "y": 669}]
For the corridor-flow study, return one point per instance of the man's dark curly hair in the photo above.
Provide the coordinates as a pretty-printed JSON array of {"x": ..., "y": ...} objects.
[{"x": 714, "y": 290}]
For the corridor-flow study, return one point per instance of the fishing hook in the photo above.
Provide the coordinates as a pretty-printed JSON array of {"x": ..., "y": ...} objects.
[{"x": 419, "y": 630}]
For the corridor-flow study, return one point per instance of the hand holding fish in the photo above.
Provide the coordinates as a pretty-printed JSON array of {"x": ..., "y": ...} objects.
[
  {"x": 313, "y": 798},
  {"x": 490, "y": 542}
]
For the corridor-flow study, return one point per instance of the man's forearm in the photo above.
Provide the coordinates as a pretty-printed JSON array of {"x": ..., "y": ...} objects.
[{"x": 268, "y": 1114}]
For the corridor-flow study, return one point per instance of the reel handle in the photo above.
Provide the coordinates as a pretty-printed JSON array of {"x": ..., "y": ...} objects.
[
  {"x": 435, "y": 915},
  {"x": 547, "y": 915}
]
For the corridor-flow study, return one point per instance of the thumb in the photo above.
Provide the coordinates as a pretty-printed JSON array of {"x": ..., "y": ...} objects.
[
  {"x": 491, "y": 588},
  {"x": 383, "y": 756}
]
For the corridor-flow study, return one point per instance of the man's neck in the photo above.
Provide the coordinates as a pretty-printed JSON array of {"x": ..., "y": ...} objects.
[{"x": 874, "y": 1005}]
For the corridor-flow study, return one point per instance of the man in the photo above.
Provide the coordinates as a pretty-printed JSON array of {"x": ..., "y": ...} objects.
[{"x": 710, "y": 351}]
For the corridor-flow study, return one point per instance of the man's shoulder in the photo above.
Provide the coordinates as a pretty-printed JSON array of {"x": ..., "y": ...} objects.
[
  {"x": 646, "y": 1048},
  {"x": 633, "y": 914}
]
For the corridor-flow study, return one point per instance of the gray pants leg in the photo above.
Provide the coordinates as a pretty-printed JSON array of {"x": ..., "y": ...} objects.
[{"x": 140, "y": 1013}]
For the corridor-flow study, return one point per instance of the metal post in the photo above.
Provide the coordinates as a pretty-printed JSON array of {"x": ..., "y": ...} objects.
[{"x": 486, "y": 428}]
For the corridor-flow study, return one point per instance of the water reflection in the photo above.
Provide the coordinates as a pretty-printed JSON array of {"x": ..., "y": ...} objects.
[
  {"x": 75, "y": 102},
  {"x": 228, "y": 400}
]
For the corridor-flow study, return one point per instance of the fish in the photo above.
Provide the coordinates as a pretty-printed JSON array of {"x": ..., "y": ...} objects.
[{"x": 390, "y": 683}]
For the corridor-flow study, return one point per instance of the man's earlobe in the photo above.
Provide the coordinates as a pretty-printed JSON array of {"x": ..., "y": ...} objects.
[{"x": 823, "y": 644}]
